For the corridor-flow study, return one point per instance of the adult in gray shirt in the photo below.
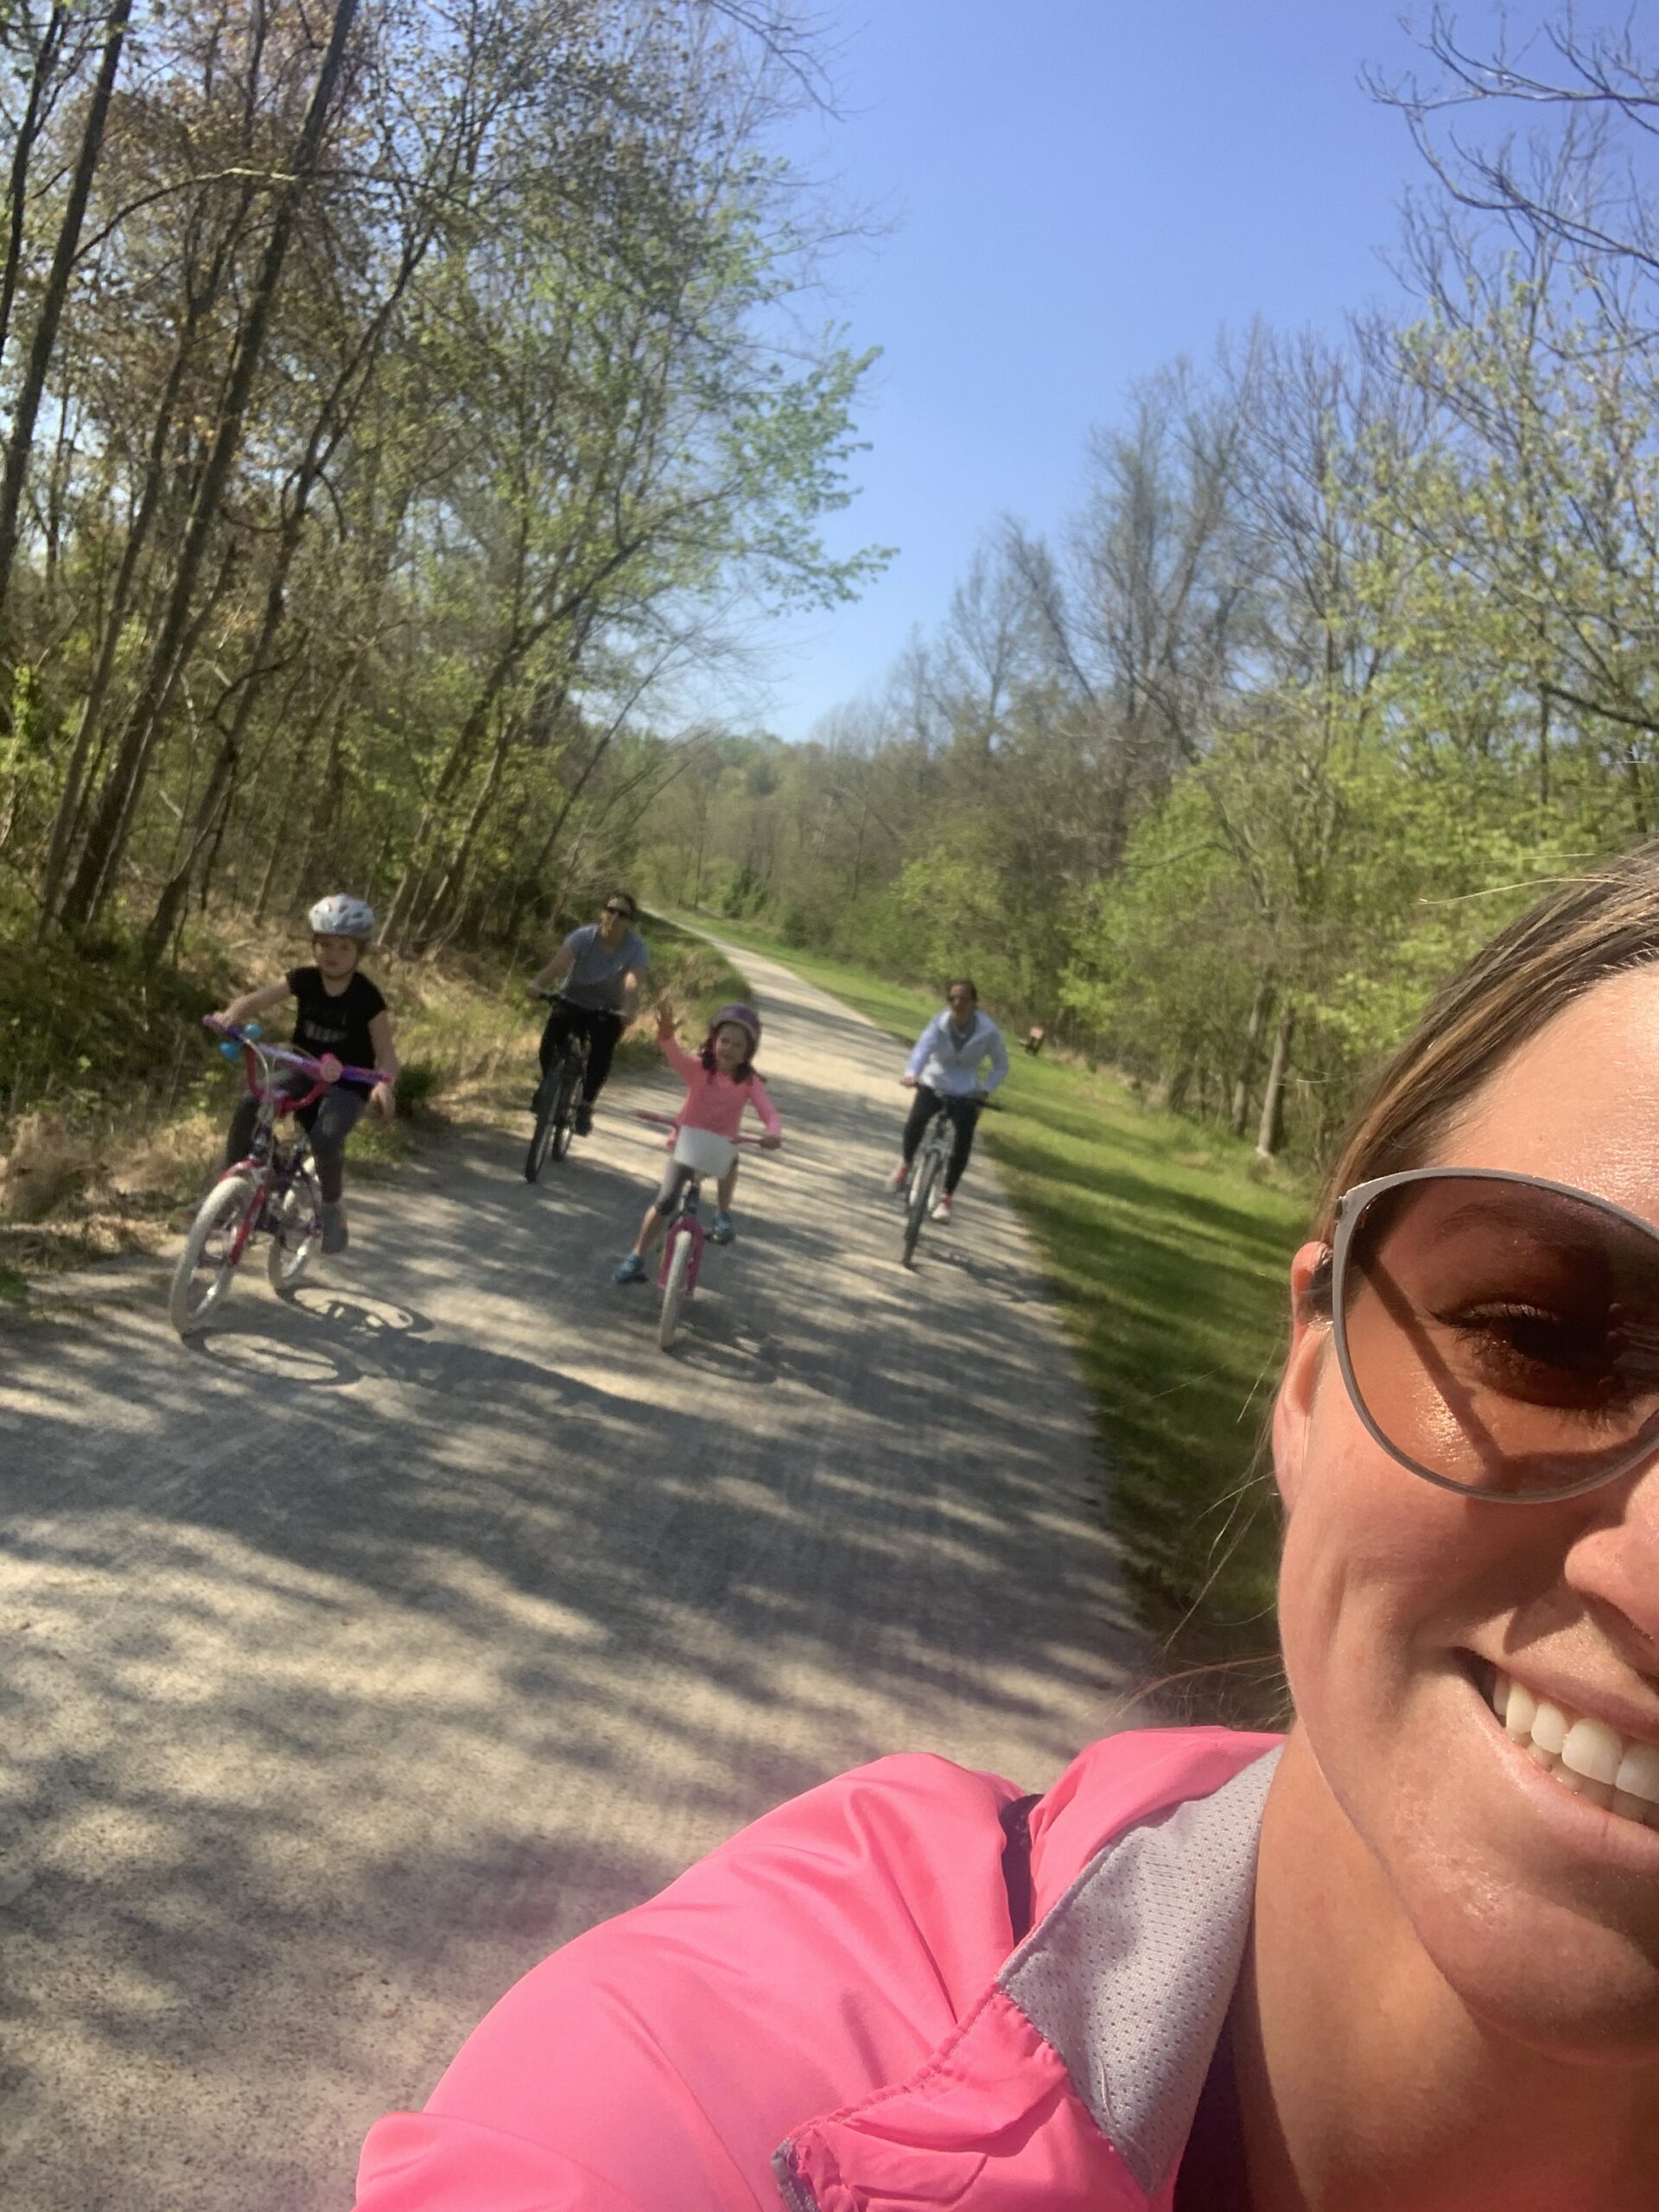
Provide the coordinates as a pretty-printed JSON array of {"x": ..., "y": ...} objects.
[{"x": 597, "y": 971}]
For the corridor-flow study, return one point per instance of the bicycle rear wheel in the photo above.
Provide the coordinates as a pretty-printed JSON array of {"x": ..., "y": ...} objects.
[
  {"x": 213, "y": 1246},
  {"x": 676, "y": 1286},
  {"x": 296, "y": 1225},
  {"x": 924, "y": 1176},
  {"x": 549, "y": 1106}
]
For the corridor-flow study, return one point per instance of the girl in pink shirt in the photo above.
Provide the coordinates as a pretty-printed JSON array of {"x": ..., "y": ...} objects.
[{"x": 719, "y": 1082}]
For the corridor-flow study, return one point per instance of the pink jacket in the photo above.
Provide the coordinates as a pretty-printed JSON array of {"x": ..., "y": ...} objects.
[
  {"x": 836, "y": 2012},
  {"x": 715, "y": 1101}
]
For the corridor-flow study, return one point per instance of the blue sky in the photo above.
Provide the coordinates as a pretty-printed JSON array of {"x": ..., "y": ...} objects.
[{"x": 1082, "y": 189}]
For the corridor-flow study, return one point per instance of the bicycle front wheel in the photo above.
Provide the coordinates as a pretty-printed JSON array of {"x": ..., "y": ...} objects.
[
  {"x": 550, "y": 1105},
  {"x": 675, "y": 1287},
  {"x": 564, "y": 1124},
  {"x": 924, "y": 1178},
  {"x": 213, "y": 1246},
  {"x": 295, "y": 1224}
]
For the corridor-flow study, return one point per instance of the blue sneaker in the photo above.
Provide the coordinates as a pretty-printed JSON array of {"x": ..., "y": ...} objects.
[
  {"x": 632, "y": 1270},
  {"x": 723, "y": 1229}
]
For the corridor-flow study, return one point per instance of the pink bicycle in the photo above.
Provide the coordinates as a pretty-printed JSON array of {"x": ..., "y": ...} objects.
[
  {"x": 272, "y": 1192},
  {"x": 704, "y": 1153}
]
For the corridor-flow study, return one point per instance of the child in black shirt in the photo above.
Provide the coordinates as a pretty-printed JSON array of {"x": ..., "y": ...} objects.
[{"x": 339, "y": 1011}]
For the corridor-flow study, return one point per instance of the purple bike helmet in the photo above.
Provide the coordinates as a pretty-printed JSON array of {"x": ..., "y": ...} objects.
[{"x": 745, "y": 1017}]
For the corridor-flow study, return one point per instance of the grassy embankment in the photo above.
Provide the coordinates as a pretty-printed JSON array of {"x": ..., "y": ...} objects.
[
  {"x": 113, "y": 1102},
  {"x": 1168, "y": 1251}
]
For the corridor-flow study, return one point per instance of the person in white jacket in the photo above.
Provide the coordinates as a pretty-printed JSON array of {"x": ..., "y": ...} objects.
[{"x": 944, "y": 1071}]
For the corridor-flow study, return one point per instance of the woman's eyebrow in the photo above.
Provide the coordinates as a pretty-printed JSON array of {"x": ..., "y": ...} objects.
[{"x": 1562, "y": 1237}]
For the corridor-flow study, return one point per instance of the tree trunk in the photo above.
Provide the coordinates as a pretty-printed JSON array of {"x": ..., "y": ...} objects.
[
  {"x": 329, "y": 426},
  {"x": 88, "y": 749},
  {"x": 28, "y": 403},
  {"x": 455, "y": 873},
  {"x": 29, "y": 130},
  {"x": 177, "y": 891},
  {"x": 1634, "y": 791},
  {"x": 121, "y": 816},
  {"x": 104, "y": 841},
  {"x": 410, "y": 895},
  {"x": 544, "y": 858},
  {"x": 1271, "y": 1128},
  {"x": 1176, "y": 1082},
  {"x": 1259, "y": 1005}
]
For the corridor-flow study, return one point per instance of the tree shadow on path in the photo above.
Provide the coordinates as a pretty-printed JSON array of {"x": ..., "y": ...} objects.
[{"x": 361, "y": 1654}]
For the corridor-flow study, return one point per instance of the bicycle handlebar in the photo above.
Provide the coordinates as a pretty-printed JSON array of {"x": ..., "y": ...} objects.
[
  {"x": 324, "y": 1071},
  {"x": 563, "y": 998},
  {"x": 992, "y": 1105},
  {"x": 667, "y": 1122}
]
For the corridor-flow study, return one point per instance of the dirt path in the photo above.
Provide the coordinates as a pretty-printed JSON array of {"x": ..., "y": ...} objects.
[{"x": 359, "y": 1656}]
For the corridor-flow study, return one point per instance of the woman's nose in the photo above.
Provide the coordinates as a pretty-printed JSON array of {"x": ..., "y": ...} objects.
[{"x": 1614, "y": 1559}]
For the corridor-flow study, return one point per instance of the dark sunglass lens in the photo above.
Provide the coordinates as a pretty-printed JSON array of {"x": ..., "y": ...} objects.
[{"x": 1500, "y": 1335}]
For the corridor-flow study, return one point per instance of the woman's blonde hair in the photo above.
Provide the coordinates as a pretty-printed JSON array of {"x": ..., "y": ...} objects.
[{"x": 1588, "y": 928}]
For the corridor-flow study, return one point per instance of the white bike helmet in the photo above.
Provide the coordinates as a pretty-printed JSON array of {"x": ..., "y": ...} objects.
[{"x": 341, "y": 915}]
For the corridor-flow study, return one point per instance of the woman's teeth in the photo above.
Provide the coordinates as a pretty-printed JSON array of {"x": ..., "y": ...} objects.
[{"x": 1587, "y": 1755}]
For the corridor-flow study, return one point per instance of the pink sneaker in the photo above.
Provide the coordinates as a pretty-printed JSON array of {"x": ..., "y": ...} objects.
[
  {"x": 941, "y": 1207},
  {"x": 896, "y": 1181}
]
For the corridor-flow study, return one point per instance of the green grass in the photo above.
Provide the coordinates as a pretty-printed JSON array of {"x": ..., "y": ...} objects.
[{"x": 1168, "y": 1250}]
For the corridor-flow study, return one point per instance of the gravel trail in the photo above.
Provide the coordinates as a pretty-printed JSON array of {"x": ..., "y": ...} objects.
[{"x": 358, "y": 1655}]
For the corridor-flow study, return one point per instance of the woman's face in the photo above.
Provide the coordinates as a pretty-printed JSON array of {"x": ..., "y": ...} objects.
[
  {"x": 731, "y": 1047},
  {"x": 1401, "y": 1604}
]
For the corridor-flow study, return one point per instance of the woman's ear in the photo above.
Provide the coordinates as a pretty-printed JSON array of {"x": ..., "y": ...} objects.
[{"x": 1310, "y": 1340}]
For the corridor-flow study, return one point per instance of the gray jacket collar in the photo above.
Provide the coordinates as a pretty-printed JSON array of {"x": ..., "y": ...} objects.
[{"x": 1129, "y": 1976}]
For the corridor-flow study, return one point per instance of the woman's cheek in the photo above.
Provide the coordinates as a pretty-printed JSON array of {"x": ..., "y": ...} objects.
[{"x": 1359, "y": 1578}]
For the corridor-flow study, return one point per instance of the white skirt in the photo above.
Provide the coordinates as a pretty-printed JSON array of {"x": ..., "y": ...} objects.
[{"x": 704, "y": 1151}]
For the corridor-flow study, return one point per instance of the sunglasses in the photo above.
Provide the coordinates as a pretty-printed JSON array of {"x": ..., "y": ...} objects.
[
  {"x": 622, "y": 913},
  {"x": 1499, "y": 1334}
]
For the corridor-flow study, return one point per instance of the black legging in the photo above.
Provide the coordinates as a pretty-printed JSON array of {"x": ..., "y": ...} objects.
[
  {"x": 964, "y": 1119},
  {"x": 599, "y": 1026},
  {"x": 329, "y": 1119}
]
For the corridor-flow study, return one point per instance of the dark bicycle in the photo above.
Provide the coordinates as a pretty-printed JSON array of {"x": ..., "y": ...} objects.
[{"x": 558, "y": 1099}]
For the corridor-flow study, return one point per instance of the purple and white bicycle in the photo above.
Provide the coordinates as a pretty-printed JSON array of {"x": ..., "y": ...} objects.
[{"x": 272, "y": 1192}]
